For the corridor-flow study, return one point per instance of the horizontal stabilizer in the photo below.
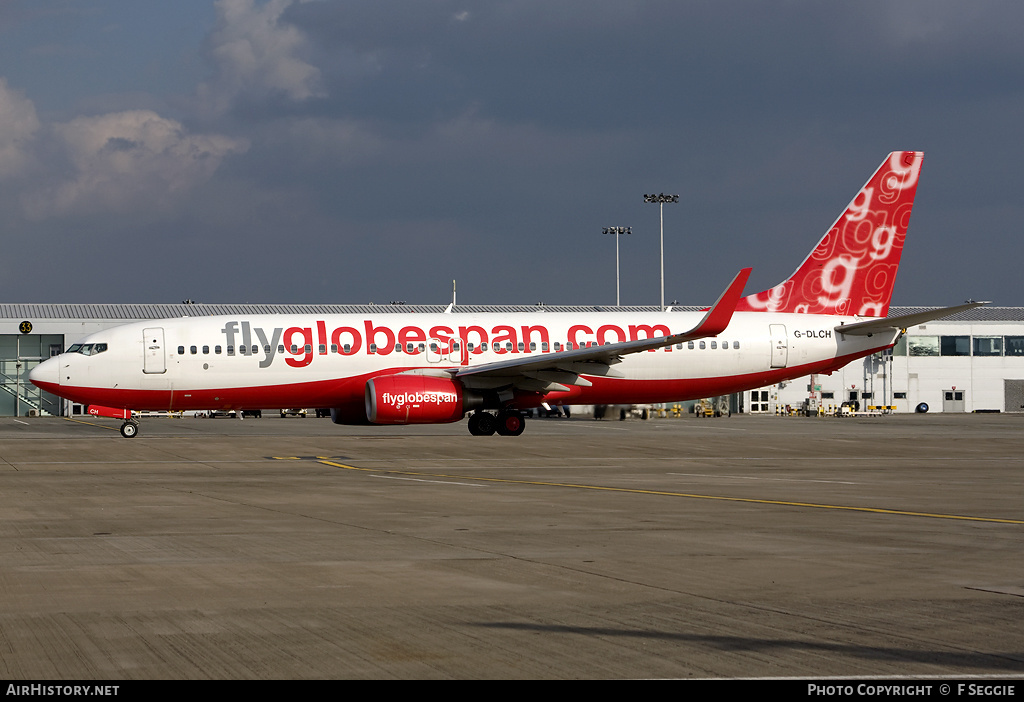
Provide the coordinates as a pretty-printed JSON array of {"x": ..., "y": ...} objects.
[{"x": 874, "y": 326}]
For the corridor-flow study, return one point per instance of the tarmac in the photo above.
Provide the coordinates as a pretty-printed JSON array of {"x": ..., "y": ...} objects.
[{"x": 739, "y": 547}]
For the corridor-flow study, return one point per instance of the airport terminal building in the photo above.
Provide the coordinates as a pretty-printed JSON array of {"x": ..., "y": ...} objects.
[{"x": 970, "y": 362}]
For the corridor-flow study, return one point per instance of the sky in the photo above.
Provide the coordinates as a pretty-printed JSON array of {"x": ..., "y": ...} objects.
[{"x": 354, "y": 151}]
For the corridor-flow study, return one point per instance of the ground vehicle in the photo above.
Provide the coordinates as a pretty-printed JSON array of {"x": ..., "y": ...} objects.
[{"x": 255, "y": 413}]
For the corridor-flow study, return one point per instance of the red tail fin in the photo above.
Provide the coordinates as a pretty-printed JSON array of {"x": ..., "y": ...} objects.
[{"x": 853, "y": 268}]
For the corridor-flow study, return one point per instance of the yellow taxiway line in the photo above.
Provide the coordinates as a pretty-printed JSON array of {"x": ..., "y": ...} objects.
[{"x": 664, "y": 493}]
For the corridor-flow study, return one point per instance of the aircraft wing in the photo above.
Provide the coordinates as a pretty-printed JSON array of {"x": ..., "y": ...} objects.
[
  {"x": 556, "y": 371},
  {"x": 874, "y": 326}
]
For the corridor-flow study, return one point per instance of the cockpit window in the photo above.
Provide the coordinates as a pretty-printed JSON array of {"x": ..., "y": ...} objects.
[{"x": 87, "y": 349}]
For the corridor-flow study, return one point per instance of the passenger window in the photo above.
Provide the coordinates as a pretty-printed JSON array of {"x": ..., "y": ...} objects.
[
  {"x": 308, "y": 348},
  {"x": 280, "y": 348},
  {"x": 255, "y": 349},
  {"x": 193, "y": 350},
  {"x": 295, "y": 349},
  {"x": 231, "y": 350},
  {"x": 348, "y": 349},
  {"x": 181, "y": 350},
  {"x": 689, "y": 345},
  {"x": 703, "y": 345},
  {"x": 714, "y": 344},
  {"x": 735, "y": 344},
  {"x": 216, "y": 349},
  {"x": 543, "y": 346},
  {"x": 206, "y": 349},
  {"x": 373, "y": 348},
  {"x": 323, "y": 348}
]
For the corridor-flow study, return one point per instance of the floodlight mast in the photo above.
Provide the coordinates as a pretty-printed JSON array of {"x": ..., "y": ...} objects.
[
  {"x": 661, "y": 199},
  {"x": 617, "y": 231}
]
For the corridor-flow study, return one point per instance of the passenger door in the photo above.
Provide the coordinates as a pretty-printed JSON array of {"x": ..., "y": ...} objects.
[
  {"x": 780, "y": 345},
  {"x": 153, "y": 345}
]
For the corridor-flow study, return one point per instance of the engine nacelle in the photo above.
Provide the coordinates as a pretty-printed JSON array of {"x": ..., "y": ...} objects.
[{"x": 414, "y": 399}]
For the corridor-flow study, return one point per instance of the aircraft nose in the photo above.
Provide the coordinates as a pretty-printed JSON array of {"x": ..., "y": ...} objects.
[{"x": 46, "y": 375}]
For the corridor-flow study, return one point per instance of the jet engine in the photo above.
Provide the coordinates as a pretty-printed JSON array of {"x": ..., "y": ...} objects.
[{"x": 416, "y": 399}]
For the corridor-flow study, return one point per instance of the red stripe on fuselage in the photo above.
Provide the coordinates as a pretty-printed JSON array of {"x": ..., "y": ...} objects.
[{"x": 347, "y": 391}]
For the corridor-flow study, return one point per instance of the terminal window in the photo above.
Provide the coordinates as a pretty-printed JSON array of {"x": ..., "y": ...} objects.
[
  {"x": 923, "y": 345},
  {"x": 988, "y": 346},
  {"x": 955, "y": 345},
  {"x": 1014, "y": 345}
]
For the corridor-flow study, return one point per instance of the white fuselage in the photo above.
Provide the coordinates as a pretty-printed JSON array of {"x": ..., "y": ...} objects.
[{"x": 273, "y": 361}]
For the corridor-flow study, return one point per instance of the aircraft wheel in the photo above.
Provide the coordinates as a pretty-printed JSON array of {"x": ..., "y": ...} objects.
[
  {"x": 482, "y": 424},
  {"x": 511, "y": 423},
  {"x": 129, "y": 430}
]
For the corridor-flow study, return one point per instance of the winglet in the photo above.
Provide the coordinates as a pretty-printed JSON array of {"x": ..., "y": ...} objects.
[{"x": 720, "y": 314}]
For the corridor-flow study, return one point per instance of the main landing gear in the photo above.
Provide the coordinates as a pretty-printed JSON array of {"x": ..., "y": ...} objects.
[
  {"x": 130, "y": 429},
  {"x": 505, "y": 423}
]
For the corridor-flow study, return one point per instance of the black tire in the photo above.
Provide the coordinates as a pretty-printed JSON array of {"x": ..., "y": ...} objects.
[
  {"x": 482, "y": 424},
  {"x": 921, "y": 408},
  {"x": 511, "y": 423},
  {"x": 129, "y": 430}
]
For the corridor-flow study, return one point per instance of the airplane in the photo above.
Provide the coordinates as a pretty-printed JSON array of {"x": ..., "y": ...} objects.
[{"x": 417, "y": 368}]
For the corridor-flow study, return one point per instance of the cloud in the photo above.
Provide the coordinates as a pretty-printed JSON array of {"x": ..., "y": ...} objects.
[
  {"x": 128, "y": 161},
  {"x": 18, "y": 126},
  {"x": 256, "y": 56}
]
